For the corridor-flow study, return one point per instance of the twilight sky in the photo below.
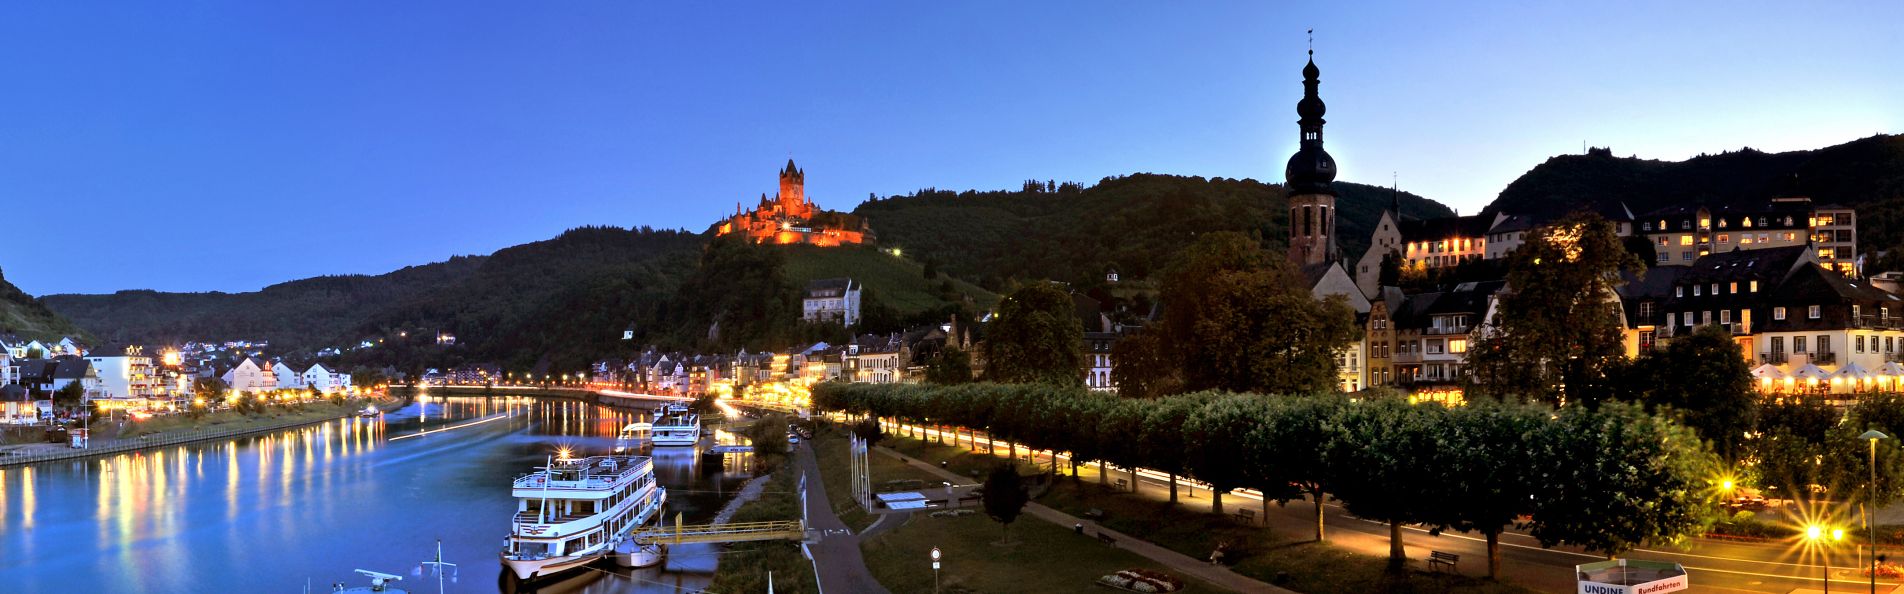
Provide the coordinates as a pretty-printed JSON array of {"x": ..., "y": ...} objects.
[{"x": 228, "y": 145}]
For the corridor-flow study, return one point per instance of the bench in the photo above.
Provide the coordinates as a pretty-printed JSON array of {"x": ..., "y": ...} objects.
[
  {"x": 1107, "y": 539},
  {"x": 1436, "y": 559},
  {"x": 1122, "y": 484},
  {"x": 1246, "y": 516},
  {"x": 1094, "y": 513}
]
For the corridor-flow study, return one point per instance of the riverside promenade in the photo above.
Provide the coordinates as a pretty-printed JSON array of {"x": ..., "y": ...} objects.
[{"x": 41, "y": 453}]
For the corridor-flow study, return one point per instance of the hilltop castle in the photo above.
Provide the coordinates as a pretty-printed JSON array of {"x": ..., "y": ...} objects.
[{"x": 789, "y": 218}]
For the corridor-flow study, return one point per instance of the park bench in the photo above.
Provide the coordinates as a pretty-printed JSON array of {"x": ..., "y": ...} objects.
[
  {"x": 1246, "y": 516},
  {"x": 1107, "y": 539},
  {"x": 1122, "y": 484},
  {"x": 1436, "y": 559},
  {"x": 1094, "y": 513}
]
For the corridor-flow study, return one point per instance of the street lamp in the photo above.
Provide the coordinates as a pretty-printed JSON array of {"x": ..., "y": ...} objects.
[
  {"x": 1817, "y": 534},
  {"x": 1871, "y": 524}
]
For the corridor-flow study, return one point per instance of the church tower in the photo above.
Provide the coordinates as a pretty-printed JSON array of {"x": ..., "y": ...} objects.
[{"x": 1307, "y": 178}]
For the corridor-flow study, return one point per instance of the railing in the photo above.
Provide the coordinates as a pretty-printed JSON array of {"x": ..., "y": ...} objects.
[
  {"x": 1445, "y": 330},
  {"x": 734, "y": 532},
  {"x": 1824, "y": 358}
]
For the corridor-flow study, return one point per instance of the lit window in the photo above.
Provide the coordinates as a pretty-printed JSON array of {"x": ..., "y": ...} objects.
[
  {"x": 1814, "y": 312},
  {"x": 1705, "y": 223},
  {"x": 1745, "y": 239},
  {"x": 1457, "y": 345},
  {"x": 1791, "y": 236},
  {"x": 1733, "y": 288},
  {"x": 1778, "y": 313},
  {"x": 1685, "y": 240},
  {"x": 1662, "y": 241},
  {"x": 1755, "y": 286}
]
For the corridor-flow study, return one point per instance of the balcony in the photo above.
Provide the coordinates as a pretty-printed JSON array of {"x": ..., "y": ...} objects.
[
  {"x": 1827, "y": 358},
  {"x": 1445, "y": 330}
]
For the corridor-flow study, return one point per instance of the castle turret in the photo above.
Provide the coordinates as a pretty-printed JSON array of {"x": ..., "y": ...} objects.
[{"x": 793, "y": 190}]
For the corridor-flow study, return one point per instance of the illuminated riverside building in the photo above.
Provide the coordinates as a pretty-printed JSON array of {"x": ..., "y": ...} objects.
[
  {"x": 789, "y": 218},
  {"x": 1683, "y": 234}
]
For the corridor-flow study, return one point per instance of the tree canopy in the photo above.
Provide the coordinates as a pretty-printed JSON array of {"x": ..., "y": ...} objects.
[
  {"x": 1557, "y": 334},
  {"x": 1036, "y": 338}
]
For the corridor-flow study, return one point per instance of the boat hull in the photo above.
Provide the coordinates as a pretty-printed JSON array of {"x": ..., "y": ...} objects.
[{"x": 535, "y": 569}]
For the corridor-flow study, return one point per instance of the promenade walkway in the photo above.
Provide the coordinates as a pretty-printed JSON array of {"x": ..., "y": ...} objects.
[
  {"x": 1203, "y": 570},
  {"x": 837, "y": 561}
]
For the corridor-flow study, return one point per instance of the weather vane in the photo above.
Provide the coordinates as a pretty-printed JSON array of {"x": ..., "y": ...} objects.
[{"x": 1312, "y": 41}]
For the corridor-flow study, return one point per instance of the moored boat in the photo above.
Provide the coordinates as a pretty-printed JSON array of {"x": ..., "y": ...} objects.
[
  {"x": 575, "y": 511},
  {"x": 676, "y": 426}
]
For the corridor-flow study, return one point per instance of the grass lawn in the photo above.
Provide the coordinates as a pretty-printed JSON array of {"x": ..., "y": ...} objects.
[
  {"x": 744, "y": 568},
  {"x": 1044, "y": 558},
  {"x": 1307, "y": 566},
  {"x": 829, "y": 447}
]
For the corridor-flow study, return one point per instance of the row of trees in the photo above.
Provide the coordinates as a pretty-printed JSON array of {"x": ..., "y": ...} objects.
[{"x": 1605, "y": 478}]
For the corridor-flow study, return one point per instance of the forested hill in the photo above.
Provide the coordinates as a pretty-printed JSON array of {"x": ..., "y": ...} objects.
[
  {"x": 26, "y": 317},
  {"x": 297, "y": 312},
  {"x": 1867, "y": 174},
  {"x": 1134, "y": 224}
]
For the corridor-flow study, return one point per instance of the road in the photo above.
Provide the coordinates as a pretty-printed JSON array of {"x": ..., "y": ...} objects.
[{"x": 1714, "y": 566}]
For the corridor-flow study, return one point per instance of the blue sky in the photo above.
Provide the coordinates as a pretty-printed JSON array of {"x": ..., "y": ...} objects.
[{"x": 227, "y": 145}]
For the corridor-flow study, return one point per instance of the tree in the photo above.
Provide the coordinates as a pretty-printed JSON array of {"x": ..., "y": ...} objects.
[
  {"x": 70, "y": 395},
  {"x": 1614, "y": 477},
  {"x": 768, "y": 435},
  {"x": 951, "y": 366},
  {"x": 1391, "y": 273},
  {"x": 1036, "y": 338},
  {"x": 868, "y": 429},
  {"x": 1487, "y": 460},
  {"x": 1382, "y": 457},
  {"x": 1164, "y": 437},
  {"x": 1005, "y": 496},
  {"x": 1300, "y": 438},
  {"x": 1703, "y": 379},
  {"x": 1557, "y": 332},
  {"x": 1143, "y": 368},
  {"x": 1240, "y": 320},
  {"x": 1217, "y": 436},
  {"x": 1793, "y": 435}
]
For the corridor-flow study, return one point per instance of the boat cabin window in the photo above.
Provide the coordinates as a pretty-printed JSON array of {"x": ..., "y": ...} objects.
[
  {"x": 533, "y": 549},
  {"x": 532, "y": 505}
]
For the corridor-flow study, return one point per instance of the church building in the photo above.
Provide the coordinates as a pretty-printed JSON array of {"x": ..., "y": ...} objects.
[{"x": 1308, "y": 178}]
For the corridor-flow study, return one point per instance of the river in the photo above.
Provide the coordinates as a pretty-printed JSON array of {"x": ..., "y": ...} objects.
[{"x": 277, "y": 511}]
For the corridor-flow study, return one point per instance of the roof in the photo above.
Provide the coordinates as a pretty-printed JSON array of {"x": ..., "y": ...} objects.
[
  {"x": 14, "y": 393},
  {"x": 828, "y": 287},
  {"x": 71, "y": 368}
]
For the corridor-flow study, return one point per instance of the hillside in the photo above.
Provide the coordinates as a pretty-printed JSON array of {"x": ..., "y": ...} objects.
[
  {"x": 1867, "y": 174},
  {"x": 897, "y": 282},
  {"x": 26, "y": 317},
  {"x": 1134, "y": 223}
]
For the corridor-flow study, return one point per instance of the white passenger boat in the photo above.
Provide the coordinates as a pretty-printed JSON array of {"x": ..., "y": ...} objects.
[
  {"x": 574, "y": 511},
  {"x": 632, "y": 436},
  {"x": 676, "y": 426}
]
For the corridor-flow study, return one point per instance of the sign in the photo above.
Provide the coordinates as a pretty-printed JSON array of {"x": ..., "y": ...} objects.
[
  {"x": 1631, "y": 576},
  {"x": 935, "y": 558},
  {"x": 628, "y": 335}
]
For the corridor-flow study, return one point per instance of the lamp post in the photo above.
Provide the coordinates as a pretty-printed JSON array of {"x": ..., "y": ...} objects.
[
  {"x": 1870, "y": 523},
  {"x": 1816, "y": 534}
]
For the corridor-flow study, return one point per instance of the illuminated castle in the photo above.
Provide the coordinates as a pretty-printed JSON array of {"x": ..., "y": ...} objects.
[{"x": 789, "y": 218}]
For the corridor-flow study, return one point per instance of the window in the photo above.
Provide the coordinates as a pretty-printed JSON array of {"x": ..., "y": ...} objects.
[
  {"x": 1688, "y": 319},
  {"x": 1778, "y": 313},
  {"x": 1662, "y": 241},
  {"x": 1665, "y": 257},
  {"x": 1725, "y": 238},
  {"x": 1687, "y": 256},
  {"x": 1685, "y": 240},
  {"x": 1696, "y": 290},
  {"x": 1457, "y": 345},
  {"x": 1679, "y": 291},
  {"x": 1857, "y": 344},
  {"x": 1646, "y": 309},
  {"x": 1715, "y": 289},
  {"x": 1798, "y": 344},
  {"x": 1670, "y": 318},
  {"x": 1887, "y": 345},
  {"x": 1790, "y": 236},
  {"x": 1647, "y": 338},
  {"x": 1725, "y": 316},
  {"x": 1778, "y": 349},
  {"x": 1705, "y": 317},
  {"x": 1745, "y": 239},
  {"x": 1855, "y": 311},
  {"x": 1755, "y": 286},
  {"x": 1814, "y": 312},
  {"x": 1434, "y": 346},
  {"x": 1646, "y": 226},
  {"x": 1746, "y": 222},
  {"x": 1733, "y": 288},
  {"x": 1824, "y": 344}
]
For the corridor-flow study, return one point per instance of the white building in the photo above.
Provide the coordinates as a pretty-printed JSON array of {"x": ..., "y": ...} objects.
[
  {"x": 831, "y": 299},
  {"x": 251, "y": 376},
  {"x": 288, "y": 377},
  {"x": 126, "y": 375},
  {"x": 325, "y": 381}
]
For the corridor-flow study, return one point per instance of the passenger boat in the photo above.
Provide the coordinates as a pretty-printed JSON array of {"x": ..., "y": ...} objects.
[
  {"x": 676, "y": 426},
  {"x": 575, "y": 511}
]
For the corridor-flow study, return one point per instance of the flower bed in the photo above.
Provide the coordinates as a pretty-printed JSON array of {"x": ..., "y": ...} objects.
[
  {"x": 1141, "y": 580},
  {"x": 1885, "y": 570}
]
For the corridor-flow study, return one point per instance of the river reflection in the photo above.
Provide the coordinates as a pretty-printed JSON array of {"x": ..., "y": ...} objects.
[{"x": 274, "y": 512}]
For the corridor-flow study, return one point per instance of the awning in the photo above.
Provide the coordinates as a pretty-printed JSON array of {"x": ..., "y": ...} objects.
[
  {"x": 1891, "y": 368},
  {"x": 1768, "y": 371},
  {"x": 1810, "y": 371},
  {"x": 1852, "y": 371}
]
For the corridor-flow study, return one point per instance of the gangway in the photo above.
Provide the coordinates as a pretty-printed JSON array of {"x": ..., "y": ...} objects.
[
  {"x": 731, "y": 449},
  {"x": 730, "y": 532}
]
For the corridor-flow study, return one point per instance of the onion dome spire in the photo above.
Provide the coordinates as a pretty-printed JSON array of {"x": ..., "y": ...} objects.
[{"x": 1311, "y": 169}]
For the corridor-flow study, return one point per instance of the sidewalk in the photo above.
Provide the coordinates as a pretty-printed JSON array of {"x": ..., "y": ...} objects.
[
  {"x": 1203, "y": 570},
  {"x": 837, "y": 562}
]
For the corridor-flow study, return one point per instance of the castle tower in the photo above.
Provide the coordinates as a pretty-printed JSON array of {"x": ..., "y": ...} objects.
[
  {"x": 793, "y": 191},
  {"x": 1308, "y": 180}
]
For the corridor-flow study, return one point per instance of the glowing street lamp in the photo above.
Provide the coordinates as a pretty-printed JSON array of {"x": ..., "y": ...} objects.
[{"x": 1819, "y": 535}]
